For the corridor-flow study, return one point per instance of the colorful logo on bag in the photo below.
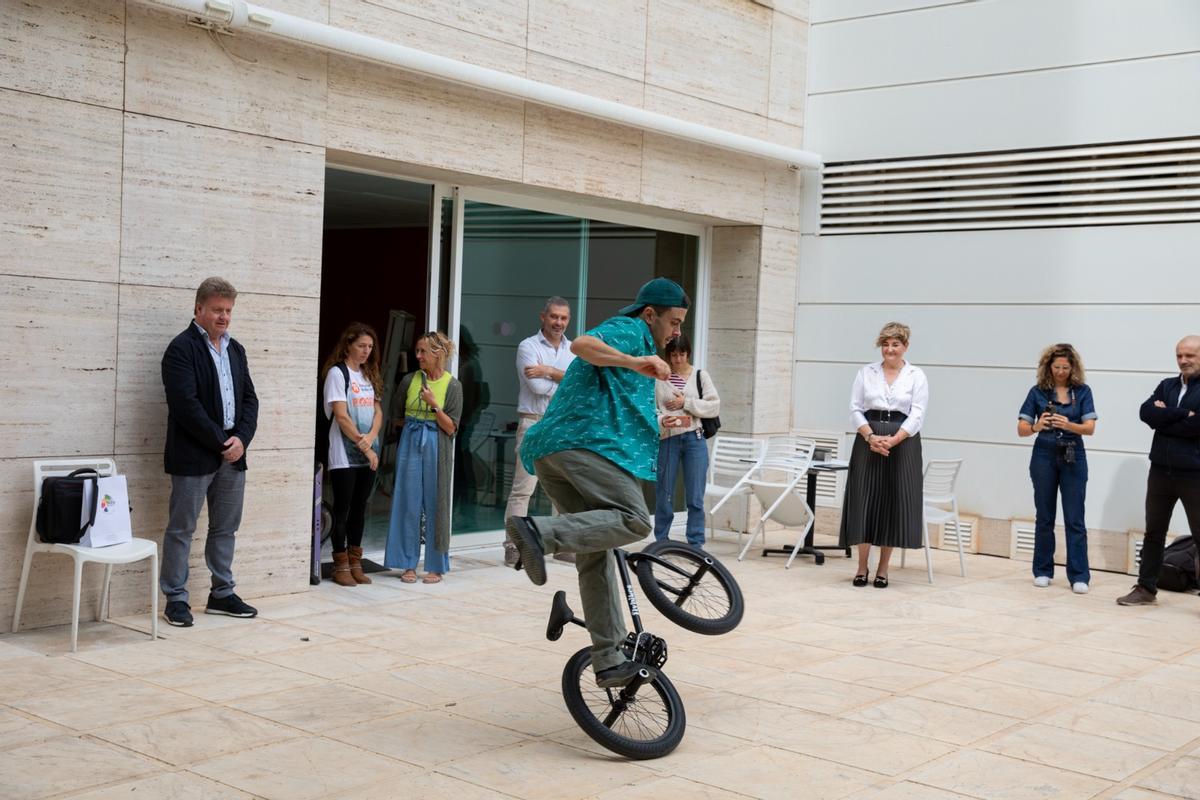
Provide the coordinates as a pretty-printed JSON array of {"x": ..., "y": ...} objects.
[
  {"x": 106, "y": 503},
  {"x": 354, "y": 387}
]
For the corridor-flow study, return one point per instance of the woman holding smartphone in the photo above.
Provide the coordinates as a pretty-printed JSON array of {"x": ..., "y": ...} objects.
[{"x": 1059, "y": 411}]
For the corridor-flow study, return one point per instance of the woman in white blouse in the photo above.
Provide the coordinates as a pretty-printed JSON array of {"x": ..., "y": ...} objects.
[
  {"x": 683, "y": 399},
  {"x": 883, "y": 504}
]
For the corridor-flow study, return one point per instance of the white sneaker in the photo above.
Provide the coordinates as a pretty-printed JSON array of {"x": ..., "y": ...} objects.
[
  {"x": 1041, "y": 581},
  {"x": 1079, "y": 587}
]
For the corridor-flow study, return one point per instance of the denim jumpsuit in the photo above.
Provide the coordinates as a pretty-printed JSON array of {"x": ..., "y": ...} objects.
[{"x": 1052, "y": 475}]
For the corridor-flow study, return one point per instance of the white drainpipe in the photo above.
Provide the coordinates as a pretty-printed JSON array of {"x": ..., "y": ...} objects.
[{"x": 239, "y": 15}]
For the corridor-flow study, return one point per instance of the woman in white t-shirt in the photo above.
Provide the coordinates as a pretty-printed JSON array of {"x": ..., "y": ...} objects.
[
  {"x": 883, "y": 504},
  {"x": 352, "y": 389}
]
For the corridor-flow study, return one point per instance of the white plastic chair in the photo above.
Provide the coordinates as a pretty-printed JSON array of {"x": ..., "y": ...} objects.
[
  {"x": 125, "y": 553},
  {"x": 779, "y": 484},
  {"x": 938, "y": 490},
  {"x": 732, "y": 461}
]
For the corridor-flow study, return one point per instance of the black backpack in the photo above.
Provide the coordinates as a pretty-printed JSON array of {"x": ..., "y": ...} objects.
[
  {"x": 1181, "y": 566},
  {"x": 61, "y": 507},
  {"x": 321, "y": 432}
]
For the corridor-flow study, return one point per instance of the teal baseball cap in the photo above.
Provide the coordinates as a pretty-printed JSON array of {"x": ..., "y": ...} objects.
[{"x": 658, "y": 292}]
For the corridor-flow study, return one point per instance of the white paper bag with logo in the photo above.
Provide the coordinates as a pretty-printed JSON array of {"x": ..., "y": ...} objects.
[{"x": 112, "y": 525}]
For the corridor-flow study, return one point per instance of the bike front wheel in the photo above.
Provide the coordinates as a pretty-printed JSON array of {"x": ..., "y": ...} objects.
[
  {"x": 690, "y": 587},
  {"x": 648, "y": 724}
]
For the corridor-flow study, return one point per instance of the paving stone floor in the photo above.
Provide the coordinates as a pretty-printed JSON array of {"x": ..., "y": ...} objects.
[{"x": 977, "y": 687}]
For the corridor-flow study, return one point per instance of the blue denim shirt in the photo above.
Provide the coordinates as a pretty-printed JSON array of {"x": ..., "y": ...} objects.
[
  {"x": 224, "y": 375},
  {"x": 1080, "y": 409}
]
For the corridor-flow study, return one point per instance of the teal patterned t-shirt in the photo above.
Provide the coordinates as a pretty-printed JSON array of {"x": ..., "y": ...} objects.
[{"x": 608, "y": 410}]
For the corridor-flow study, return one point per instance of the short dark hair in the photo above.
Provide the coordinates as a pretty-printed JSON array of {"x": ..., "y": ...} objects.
[
  {"x": 555, "y": 301},
  {"x": 679, "y": 344}
]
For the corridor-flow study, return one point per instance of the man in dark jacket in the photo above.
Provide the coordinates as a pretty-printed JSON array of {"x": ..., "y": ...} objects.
[
  {"x": 212, "y": 413},
  {"x": 1174, "y": 464}
]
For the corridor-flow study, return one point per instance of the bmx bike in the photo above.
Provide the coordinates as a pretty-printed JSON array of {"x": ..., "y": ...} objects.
[{"x": 645, "y": 718}]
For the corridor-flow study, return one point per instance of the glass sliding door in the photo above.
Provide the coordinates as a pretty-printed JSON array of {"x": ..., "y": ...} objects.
[{"x": 512, "y": 260}]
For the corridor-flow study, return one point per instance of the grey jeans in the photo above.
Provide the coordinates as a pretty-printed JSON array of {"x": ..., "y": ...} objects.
[
  {"x": 224, "y": 490},
  {"x": 601, "y": 506}
]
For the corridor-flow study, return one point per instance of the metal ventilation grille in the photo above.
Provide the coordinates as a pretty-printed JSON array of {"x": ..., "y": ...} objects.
[
  {"x": 1114, "y": 184},
  {"x": 951, "y": 534},
  {"x": 829, "y": 484},
  {"x": 1022, "y": 541}
]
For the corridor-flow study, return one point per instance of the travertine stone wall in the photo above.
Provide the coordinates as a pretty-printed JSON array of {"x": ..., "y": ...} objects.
[{"x": 141, "y": 157}]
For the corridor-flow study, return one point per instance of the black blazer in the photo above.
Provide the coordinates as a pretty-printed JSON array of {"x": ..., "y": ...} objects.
[
  {"x": 1176, "y": 435},
  {"x": 194, "y": 413}
]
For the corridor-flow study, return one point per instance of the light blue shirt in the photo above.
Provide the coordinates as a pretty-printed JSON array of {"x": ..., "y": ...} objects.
[{"x": 220, "y": 358}]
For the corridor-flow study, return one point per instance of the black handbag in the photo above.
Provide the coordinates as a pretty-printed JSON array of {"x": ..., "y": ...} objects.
[
  {"x": 61, "y": 507},
  {"x": 710, "y": 425}
]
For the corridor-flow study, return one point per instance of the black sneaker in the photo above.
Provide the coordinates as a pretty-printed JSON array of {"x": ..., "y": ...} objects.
[
  {"x": 622, "y": 674},
  {"x": 231, "y": 606},
  {"x": 177, "y": 613},
  {"x": 529, "y": 544}
]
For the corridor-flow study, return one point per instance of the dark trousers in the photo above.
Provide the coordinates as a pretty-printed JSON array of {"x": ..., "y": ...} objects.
[
  {"x": 351, "y": 488},
  {"x": 1051, "y": 477},
  {"x": 1163, "y": 488}
]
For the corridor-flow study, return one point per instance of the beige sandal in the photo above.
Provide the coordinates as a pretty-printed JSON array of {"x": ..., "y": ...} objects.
[
  {"x": 409, "y": 576},
  {"x": 432, "y": 577}
]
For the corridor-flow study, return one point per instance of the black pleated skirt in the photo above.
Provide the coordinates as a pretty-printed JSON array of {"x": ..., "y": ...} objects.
[{"x": 883, "y": 502}]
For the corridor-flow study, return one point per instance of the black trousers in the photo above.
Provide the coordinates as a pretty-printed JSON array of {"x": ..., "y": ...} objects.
[
  {"x": 1164, "y": 488},
  {"x": 351, "y": 488}
]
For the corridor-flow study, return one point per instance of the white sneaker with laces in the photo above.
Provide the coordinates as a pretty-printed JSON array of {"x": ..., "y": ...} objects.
[
  {"x": 1079, "y": 587},
  {"x": 1041, "y": 581}
]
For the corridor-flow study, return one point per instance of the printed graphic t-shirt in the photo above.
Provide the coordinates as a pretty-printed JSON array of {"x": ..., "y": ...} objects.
[{"x": 360, "y": 405}]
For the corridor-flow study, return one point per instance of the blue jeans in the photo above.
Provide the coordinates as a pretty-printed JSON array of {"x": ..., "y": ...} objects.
[
  {"x": 1051, "y": 476},
  {"x": 690, "y": 449},
  {"x": 414, "y": 500}
]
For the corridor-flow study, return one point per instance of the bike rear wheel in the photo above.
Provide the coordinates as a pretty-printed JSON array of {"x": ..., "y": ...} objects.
[
  {"x": 690, "y": 587},
  {"x": 648, "y": 724}
]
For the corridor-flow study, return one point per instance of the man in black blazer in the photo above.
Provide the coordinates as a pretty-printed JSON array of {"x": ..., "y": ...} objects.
[
  {"x": 212, "y": 413},
  {"x": 1174, "y": 464}
]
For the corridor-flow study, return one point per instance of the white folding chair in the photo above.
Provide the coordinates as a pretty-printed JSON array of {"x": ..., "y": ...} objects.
[
  {"x": 938, "y": 490},
  {"x": 779, "y": 484},
  {"x": 126, "y": 553},
  {"x": 732, "y": 461}
]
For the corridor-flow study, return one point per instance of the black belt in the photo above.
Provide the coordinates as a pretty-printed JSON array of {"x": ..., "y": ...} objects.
[{"x": 876, "y": 415}]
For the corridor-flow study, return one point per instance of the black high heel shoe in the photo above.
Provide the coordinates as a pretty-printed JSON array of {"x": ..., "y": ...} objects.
[
  {"x": 861, "y": 580},
  {"x": 881, "y": 582}
]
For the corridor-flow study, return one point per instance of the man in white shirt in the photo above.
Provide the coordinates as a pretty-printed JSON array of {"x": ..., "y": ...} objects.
[{"x": 542, "y": 359}]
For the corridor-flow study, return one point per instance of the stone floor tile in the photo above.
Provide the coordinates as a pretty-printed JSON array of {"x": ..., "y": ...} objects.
[
  {"x": 947, "y": 723},
  {"x": 235, "y": 677},
  {"x": 303, "y": 769},
  {"x": 66, "y": 764},
  {"x": 261, "y": 637},
  {"x": 166, "y": 786},
  {"x": 18, "y": 730},
  {"x": 1130, "y": 644},
  {"x": 931, "y": 656},
  {"x": 196, "y": 735},
  {"x": 1042, "y": 677},
  {"x": 525, "y": 665},
  {"x": 419, "y": 787},
  {"x": 858, "y": 745},
  {"x": 28, "y": 677},
  {"x": 768, "y": 772},
  {"x": 807, "y": 692},
  {"x": 1075, "y": 751},
  {"x": 830, "y": 637},
  {"x": 340, "y": 659},
  {"x": 1181, "y": 779},
  {"x": 1137, "y": 793},
  {"x": 906, "y": 790},
  {"x": 9, "y": 649},
  {"x": 137, "y": 660},
  {"x": 993, "y": 777},
  {"x": 995, "y": 698},
  {"x": 317, "y": 709},
  {"x": 530, "y": 710},
  {"x": 86, "y": 707},
  {"x": 1123, "y": 724},
  {"x": 718, "y": 671},
  {"x": 1178, "y": 675},
  {"x": 431, "y": 685},
  {"x": 450, "y": 643},
  {"x": 56, "y": 639},
  {"x": 874, "y": 673},
  {"x": 425, "y": 738},
  {"x": 980, "y": 641},
  {"x": 747, "y": 718},
  {"x": 670, "y": 787},
  {"x": 1167, "y": 701},
  {"x": 521, "y": 770},
  {"x": 768, "y": 651},
  {"x": 348, "y": 624},
  {"x": 289, "y": 606},
  {"x": 1071, "y": 656}
]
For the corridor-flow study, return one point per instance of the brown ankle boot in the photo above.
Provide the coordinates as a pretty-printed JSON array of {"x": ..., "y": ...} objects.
[
  {"x": 356, "y": 571},
  {"x": 341, "y": 570}
]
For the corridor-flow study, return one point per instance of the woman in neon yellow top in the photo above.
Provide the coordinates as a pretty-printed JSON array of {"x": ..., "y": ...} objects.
[{"x": 432, "y": 406}]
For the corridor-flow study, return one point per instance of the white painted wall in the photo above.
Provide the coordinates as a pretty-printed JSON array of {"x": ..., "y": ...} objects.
[{"x": 892, "y": 78}]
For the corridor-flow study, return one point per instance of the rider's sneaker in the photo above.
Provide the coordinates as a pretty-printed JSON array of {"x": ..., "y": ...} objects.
[
  {"x": 621, "y": 674},
  {"x": 529, "y": 544}
]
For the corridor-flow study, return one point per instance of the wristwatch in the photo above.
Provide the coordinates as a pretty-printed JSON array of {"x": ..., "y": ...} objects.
[{"x": 435, "y": 410}]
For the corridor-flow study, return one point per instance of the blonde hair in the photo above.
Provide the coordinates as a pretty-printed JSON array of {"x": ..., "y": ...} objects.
[
  {"x": 439, "y": 343},
  {"x": 893, "y": 330},
  {"x": 1045, "y": 378}
]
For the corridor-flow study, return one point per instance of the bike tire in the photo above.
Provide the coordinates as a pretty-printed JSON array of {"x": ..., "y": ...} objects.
[
  {"x": 649, "y": 725},
  {"x": 706, "y": 600}
]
